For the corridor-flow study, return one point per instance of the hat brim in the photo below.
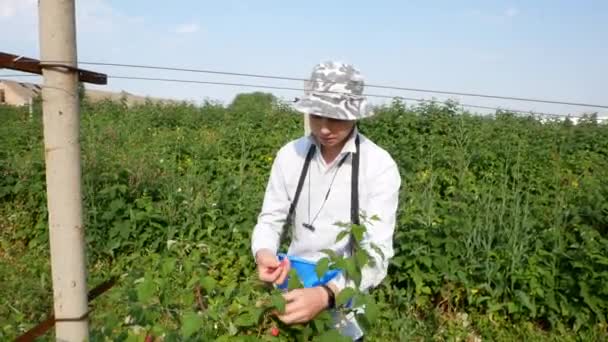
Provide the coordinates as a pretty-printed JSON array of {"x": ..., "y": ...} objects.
[{"x": 337, "y": 108}]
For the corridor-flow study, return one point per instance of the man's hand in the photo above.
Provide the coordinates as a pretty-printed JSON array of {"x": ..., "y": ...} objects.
[
  {"x": 270, "y": 269},
  {"x": 303, "y": 305}
]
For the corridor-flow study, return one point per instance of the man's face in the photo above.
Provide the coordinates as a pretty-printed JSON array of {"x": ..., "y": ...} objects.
[{"x": 330, "y": 132}]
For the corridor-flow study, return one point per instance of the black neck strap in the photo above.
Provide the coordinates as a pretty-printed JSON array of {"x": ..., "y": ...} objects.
[
  {"x": 354, "y": 190},
  {"x": 354, "y": 186},
  {"x": 294, "y": 203}
]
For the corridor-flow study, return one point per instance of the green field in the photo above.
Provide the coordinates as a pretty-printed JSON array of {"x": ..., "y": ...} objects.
[{"x": 502, "y": 229}]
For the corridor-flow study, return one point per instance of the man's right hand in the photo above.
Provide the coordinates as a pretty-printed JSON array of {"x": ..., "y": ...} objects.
[{"x": 270, "y": 269}]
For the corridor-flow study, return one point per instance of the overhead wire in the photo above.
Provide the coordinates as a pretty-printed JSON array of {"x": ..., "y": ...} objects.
[
  {"x": 287, "y": 78},
  {"x": 299, "y": 89},
  {"x": 16, "y": 75},
  {"x": 261, "y": 86}
]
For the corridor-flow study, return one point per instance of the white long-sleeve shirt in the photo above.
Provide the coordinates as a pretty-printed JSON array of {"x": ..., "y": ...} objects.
[{"x": 379, "y": 183}]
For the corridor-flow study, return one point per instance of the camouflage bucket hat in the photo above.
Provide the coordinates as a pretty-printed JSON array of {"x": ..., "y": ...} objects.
[{"x": 335, "y": 90}]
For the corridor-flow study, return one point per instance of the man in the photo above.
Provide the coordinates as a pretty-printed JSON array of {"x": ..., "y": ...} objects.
[{"x": 316, "y": 194}]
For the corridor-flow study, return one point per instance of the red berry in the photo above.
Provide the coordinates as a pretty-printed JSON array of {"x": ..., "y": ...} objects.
[
  {"x": 274, "y": 331},
  {"x": 149, "y": 338}
]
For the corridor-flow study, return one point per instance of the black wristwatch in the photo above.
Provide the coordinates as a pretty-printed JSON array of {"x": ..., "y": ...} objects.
[{"x": 331, "y": 297}]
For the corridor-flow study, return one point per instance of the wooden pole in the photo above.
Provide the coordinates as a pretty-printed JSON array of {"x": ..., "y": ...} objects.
[{"x": 61, "y": 119}]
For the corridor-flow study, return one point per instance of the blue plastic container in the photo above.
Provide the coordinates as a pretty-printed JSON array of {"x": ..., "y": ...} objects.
[{"x": 307, "y": 271}]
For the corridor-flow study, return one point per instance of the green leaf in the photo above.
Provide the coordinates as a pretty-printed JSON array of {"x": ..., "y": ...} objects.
[
  {"x": 208, "y": 284},
  {"x": 332, "y": 255},
  {"x": 306, "y": 333},
  {"x": 342, "y": 235},
  {"x": 342, "y": 224},
  {"x": 319, "y": 325},
  {"x": 364, "y": 323},
  {"x": 191, "y": 323},
  {"x": 249, "y": 318},
  {"x": 340, "y": 263},
  {"x": 589, "y": 299},
  {"x": 358, "y": 232},
  {"x": 323, "y": 321},
  {"x": 426, "y": 260},
  {"x": 124, "y": 229},
  {"x": 117, "y": 204},
  {"x": 525, "y": 299},
  {"x": 294, "y": 281},
  {"x": 333, "y": 336},
  {"x": 193, "y": 281},
  {"x": 600, "y": 259},
  {"x": 145, "y": 290},
  {"x": 188, "y": 298},
  {"x": 493, "y": 307},
  {"x": 168, "y": 266},
  {"x": 512, "y": 307},
  {"x": 371, "y": 310},
  {"x": 322, "y": 267},
  {"x": 417, "y": 278},
  {"x": 352, "y": 271},
  {"x": 132, "y": 337},
  {"x": 229, "y": 289},
  {"x": 232, "y": 330},
  {"x": 362, "y": 258},
  {"x": 551, "y": 302},
  {"x": 158, "y": 330},
  {"x": 188, "y": 266},
  {"x": 345, "y": 295},
  {"x": 278, "y": 302},
  {"x": 213, "y": 314}
]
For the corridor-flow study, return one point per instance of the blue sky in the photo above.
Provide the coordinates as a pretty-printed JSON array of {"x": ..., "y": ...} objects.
[{"x": 540, "y": 49}]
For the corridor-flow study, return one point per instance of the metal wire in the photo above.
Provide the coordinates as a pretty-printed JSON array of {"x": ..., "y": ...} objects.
[{"x": 287, "y": 78}]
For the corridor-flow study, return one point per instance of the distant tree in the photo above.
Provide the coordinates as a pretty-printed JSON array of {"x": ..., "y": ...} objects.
[
  {"x": 82, "y": 95},
  {"x": 81, "y": 91},
  {"x": 256, "y": 103}
]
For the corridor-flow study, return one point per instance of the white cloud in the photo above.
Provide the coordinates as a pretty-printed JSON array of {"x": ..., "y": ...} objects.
[
  {"x": 187, "y": 28},
  {"x": 499, "y": 16},
  {"x": 511, "y": 12},
  {"x": 7, "y": 10},
  {"x": 94, "y": 19},
  {"x": 19, "y": 16},
  {"x": 98, "y": 16},
  {"x": 12, "y": 8}
]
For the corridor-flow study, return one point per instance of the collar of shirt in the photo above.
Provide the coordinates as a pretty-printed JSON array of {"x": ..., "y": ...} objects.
[{"x": 349, "y": 147}]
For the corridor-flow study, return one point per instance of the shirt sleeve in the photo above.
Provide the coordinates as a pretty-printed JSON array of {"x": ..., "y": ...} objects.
[
  {"x": 269, "y": 226},
  {"x": 382, "y": 202}
]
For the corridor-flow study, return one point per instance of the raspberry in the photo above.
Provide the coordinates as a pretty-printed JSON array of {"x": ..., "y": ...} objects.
[{"x": 274, "y": 331}]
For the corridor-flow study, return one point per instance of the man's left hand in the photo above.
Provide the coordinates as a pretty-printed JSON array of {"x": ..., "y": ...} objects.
[{"x": 303, "y": 305}]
